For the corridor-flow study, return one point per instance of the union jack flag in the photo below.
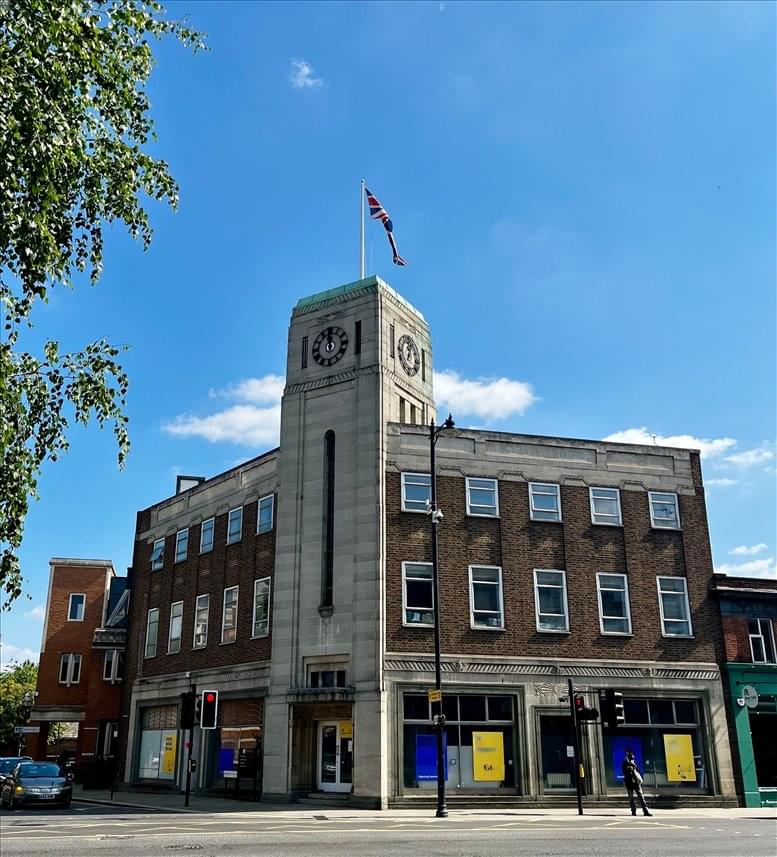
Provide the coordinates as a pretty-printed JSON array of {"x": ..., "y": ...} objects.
[{"x": 378, "y": 212}]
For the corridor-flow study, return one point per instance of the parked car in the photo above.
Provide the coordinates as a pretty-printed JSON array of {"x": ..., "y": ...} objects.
[
  {"x": 35, "y": 782},
  {"x": 8, "y": 763}
]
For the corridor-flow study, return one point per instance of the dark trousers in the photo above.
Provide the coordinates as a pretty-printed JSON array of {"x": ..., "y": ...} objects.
[{"x": 636, "y": 789}]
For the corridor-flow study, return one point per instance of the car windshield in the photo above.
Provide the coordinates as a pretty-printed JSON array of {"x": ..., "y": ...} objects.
[
  {"x": 7, "y": 765},
  {"x": 46, "y": 769}
]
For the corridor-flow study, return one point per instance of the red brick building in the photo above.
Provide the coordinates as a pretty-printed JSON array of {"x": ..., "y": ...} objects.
[{"x": 81, "y": 670}]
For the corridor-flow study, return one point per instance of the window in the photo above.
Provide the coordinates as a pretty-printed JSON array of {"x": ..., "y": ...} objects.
[
  {"x": 235, "y": 526},
  {"x": 328, "y": 505},
  {"x": 264, "y": 515},
  {"x": 181, "y": 545},
  {"x": 550, "y": 598},
  {"x": 761, "y": 641},
  {"x": 357, "y": 338},
  {"x": 261, "y": 622},
  {"x": 485, "y": 597},
  {"x": 69, "y": 668},
  {"x": 418, "y": 594},
  {"x": 76, "y": 607},
  {"x": 158, "y": 555},
  {"x": 113, "y": 668},
  {"x": 152, "y": 626},
  {"x": 176, "y": 625},
  {"x": 614, "y": 614},
  {"x": 606, "y": 506},
  {"x": 229, "y": 616},
  {"x": 544, "y": 502},
  {"x": 664, "y": 514},
  {"x": 304, "y": 352},
  {"x": 673, "y": 602},
  {"x": 206, "y": 536},
  {"x": 483, "y": 497},
  {"x": 201, "y": 610},
  {"x": 327, "y": 678},
  {"x": 416, "y": 492}
]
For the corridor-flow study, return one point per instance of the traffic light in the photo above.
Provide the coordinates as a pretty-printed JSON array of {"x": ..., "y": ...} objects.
[
  {"x": 612, "y": 708},
  {"x": 209, "y": 710},
  {"x": 581, "y": 711},
  {"x": 188, "y": 702}
]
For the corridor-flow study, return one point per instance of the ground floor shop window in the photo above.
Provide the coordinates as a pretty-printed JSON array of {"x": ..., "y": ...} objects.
[
  {"x": 158, "y": 743},
  {"x": 667, "y": 740},
  {"x": 557, "y": 743},
  {"x": 763, "y": 731},
  {"x": 237, "y": 743},
  {"x": 479, "y": 742}
]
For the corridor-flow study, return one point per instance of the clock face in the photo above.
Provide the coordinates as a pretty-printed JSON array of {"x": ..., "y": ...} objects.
[
  {"x": 408, "y": 354},
  {"x": 330, "y": 345}
]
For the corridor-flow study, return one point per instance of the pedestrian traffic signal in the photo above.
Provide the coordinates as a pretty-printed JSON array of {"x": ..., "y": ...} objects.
[
  {"x": 188, "y": 702},
  {"x": 612, "y": 708},
  {"x": 582, "y": 712},
  {"x": 209, "y": 710}
]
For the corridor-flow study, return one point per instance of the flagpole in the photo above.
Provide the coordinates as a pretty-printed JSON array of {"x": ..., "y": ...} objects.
[{"x": 361, "y": 230}]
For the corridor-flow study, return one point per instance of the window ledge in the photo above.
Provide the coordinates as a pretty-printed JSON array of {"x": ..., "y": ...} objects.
[
  {"x": 227, "y": 642},
  {"x": 605, "y": 524},
  {"x": 486, "y": 627},
  {"x": 259, "y": 637},
  {"x": 415, "y": 511},
  {"x": 616, "y": 633},
  {"x": 546, "y": 520},
  {"x": 659, "y": 527},
  {"x": 481, "y": 515},
  {"x": 422, "y": 625},
  {"x": 552, "y": 631},
  {"x": 678, "y": 636}
]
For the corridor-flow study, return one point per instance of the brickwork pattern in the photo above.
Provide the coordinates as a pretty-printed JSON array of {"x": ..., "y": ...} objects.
[
  {"x": 238, "y": 564},
  {"x": 520, "y": 545}
]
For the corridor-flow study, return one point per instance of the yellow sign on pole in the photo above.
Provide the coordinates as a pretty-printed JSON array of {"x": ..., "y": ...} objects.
[
  {"x": 488, "y": 757},
  {"x": 169, "y": 743},
  {"x": 680, "y": 765},
  {"x": 435, "y": 696}
]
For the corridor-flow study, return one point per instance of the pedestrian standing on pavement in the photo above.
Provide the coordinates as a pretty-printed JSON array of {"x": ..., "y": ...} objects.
[{"x": 632, "y": 779}]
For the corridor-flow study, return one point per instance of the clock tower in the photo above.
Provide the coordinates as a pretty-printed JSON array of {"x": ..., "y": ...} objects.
[{"x": 359, "y": 357}]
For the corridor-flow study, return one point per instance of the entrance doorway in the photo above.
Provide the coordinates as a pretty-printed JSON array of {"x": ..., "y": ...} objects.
[{"x": 335, "y": 756}]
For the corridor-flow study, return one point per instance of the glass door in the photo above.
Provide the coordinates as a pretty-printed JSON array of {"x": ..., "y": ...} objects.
[{"x": 335, "y": 756}]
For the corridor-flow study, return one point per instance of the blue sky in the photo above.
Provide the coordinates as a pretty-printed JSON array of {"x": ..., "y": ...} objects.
[{"x": 585, "y": 193}]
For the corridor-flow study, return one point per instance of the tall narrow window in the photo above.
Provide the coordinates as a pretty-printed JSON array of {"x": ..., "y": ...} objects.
[
  {"x": 605, "y": 506},
  {"x": 158, "y": 555},
  {"x": 761, "y": 636},
  {"x": 264, "y": 515},
  {"x": 261, "y": 623},
  {"x": 206, "y": 536},
  {"x": 235, "y": 527},
  {"x": 75, "y": 612},
  {"x": 229, "y": 616},
  {"x": 201, "y": 611},
  {"x": 181, "y": 545},
  {"x": 357, "y": 338},
  {"x": 327, "y": 572},
  {"x": 391, "y": 340},
  {"x": 304, "y": 352},
  {"x": 412, "y": 414},
  {"x": 69, "y": 668},
  {"x": 614, "y": 614},
  {"x": 485, "y": 597},
  {"x": 417, "y": 594},
  {"x": 550, "y": 598},
  {"x": 176, "y": 626},
  {"x": 152, "y": 627},
  {"x": 401, "y": 409},
  {"x": 423, "y": 364},
  {"x": 673, "y": 603}
]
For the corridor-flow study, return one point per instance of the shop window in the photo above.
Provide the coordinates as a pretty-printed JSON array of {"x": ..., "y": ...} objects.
[
  {"x": 605, "y": 506},
  {"x": 76, "y": 607},
  {"x": 416, "y": 491},
  {"x": 544, "y": 502},
  {"x": 235, "y": 526},
  {"x": 485, "y": 597},
  {"x": 614, "y": 613},
  {"x": 472, "y": 707},
  {"x": 483, "y": 497},
  {"x": 418, "y": 594},
  {"x": 636, "y": 711},
  {"x": 550, "y": 596},
  {"x": 158, "y": 743},
  {"x": 661, "y": 711},
  {"x": 416, "y": 706},
  {"x": 685, "y": 711},
  {"x": 675, "y": 610},
  {"x": 206, "y": 535},
  {"x": 500, "y": 708},
  {"x": 181, "y": 545},
  {"x": 761, "y": 635},
  {"x": 158, "y": 555},
  {"x": 557, "y": 749},
  {"x": 265, "y": 514},
  {"x": 664, "y": 511}
]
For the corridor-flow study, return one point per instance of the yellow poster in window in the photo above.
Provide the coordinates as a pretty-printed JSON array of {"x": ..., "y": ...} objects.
[
  {"x": 488, "y": 757},
  {"x": 680, "y": 767},
  {"x": 167, "y": 763}
]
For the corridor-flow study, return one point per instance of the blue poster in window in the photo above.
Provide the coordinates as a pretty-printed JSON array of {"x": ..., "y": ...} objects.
[
  {"x": 621, "y": 743},
  {"x": 226, "y": 759},
  {"x": 426, "y": 757}
]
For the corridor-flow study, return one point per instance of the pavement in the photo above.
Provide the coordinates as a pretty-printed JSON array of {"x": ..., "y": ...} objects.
[{"x": 199, "y": 804}]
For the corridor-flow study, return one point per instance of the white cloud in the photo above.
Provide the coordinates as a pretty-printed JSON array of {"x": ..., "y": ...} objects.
[
  {"x": 301, "y": 75},
  {"x": 37, "y": 613},
  {"x": 10, "y": 653},
  {"x": 259, "y": 391},
  {"x": 489, "y": 399},
  {"x": 708, "y": 448},
  {"x": 244, "y": 424},
  {"x": 724, "y": 482},
  {"x": 751, "y": 550},
  {"x": 750, "y": 457},
  {"x": 754, "y": 568}
]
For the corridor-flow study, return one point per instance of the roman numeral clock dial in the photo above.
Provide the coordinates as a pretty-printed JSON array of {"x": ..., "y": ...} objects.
[
  {"x": 408, "y": 354},
  {"x": 330, "y": 345}
]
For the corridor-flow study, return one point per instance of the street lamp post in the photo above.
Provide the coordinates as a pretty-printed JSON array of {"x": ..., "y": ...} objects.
[{"x": 439, "y": 718}]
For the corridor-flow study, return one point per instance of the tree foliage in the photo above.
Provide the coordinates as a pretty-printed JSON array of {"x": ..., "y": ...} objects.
[
  {"x": 18, "y": 680},
  {"x": 75, "y": 127}
]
